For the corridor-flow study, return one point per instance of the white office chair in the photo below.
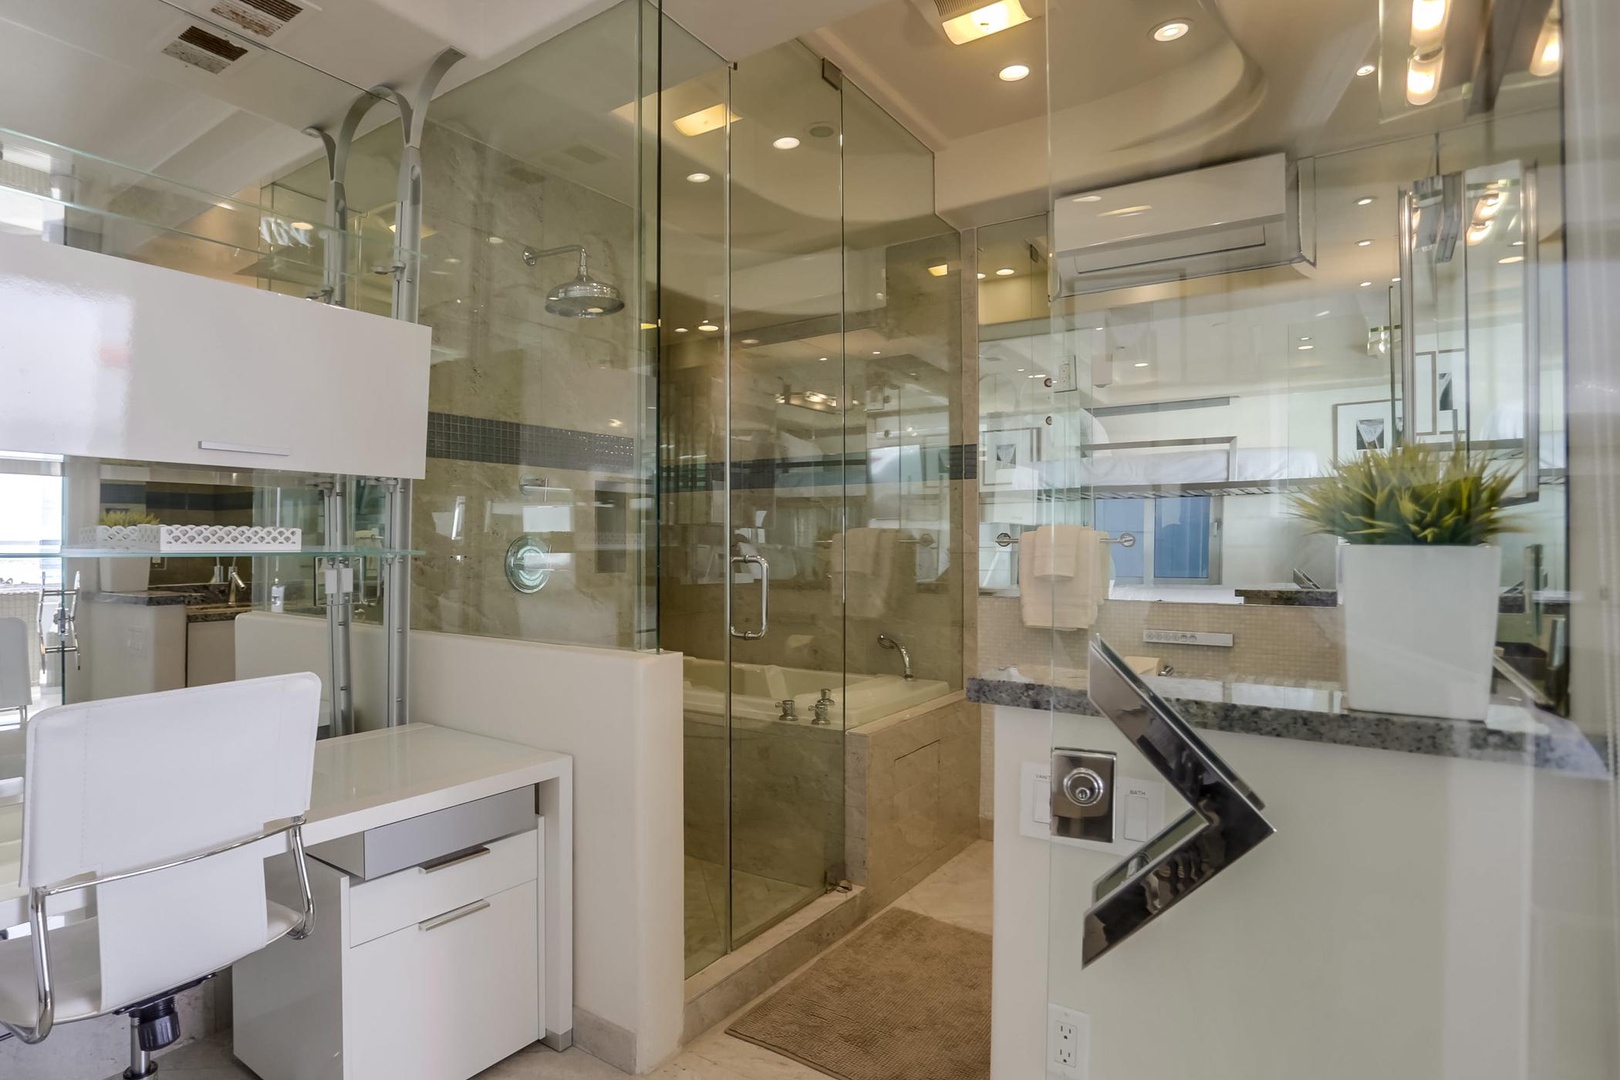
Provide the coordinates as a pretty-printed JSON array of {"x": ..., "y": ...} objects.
[
  {"x": 165, "y": 805},
  {"x": 16, "y": 680}
]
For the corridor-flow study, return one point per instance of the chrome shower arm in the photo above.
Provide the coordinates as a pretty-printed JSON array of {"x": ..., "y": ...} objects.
[{"x": 532, "y": 256}]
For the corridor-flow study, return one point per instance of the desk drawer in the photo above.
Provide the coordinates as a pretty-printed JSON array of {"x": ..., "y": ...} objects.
[
  {"x": 448, "y": 997},
  {"x": 389, "y": 848},
  {"x": 402, "y": 899}
]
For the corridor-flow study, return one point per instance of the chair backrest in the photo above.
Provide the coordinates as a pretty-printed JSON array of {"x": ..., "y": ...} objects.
[
  {"x": 118, "y": 785},
  {"x": 16, "y": 685}
]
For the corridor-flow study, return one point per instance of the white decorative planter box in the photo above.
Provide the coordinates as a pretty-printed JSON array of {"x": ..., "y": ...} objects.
[
  {"x": 1419, "y": 627},
  {"x": 210, "y": 539},
  {"x": 120, "y": 537}
]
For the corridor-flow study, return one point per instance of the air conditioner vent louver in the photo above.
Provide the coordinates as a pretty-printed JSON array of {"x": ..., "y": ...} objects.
[
  {"x": 1245, "y": 215},
  {"x": 261, "y": 18},
  {"x": 201, "y": 49}
]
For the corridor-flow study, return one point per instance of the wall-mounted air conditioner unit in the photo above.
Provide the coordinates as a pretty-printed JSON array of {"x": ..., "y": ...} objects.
[{"x": 1242, "y": 216}]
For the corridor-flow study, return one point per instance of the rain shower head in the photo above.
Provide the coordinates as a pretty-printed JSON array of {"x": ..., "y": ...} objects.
[{"x": 582, "y": 298}]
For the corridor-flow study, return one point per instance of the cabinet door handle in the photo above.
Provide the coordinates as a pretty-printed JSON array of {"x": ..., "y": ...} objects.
[
  {"x": 451, "y": 916},
  {"x": 243, "y": 448},
  {"x": 453, "y": 860}
]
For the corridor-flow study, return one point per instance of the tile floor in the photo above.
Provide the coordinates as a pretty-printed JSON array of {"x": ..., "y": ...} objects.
[{"x": 958, "y": 893}]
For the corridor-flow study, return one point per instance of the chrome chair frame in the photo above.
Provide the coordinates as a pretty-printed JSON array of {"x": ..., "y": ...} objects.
[{"x": 38, "y": 920}]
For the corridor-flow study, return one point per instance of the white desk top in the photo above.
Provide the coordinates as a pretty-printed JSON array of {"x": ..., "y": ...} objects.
[{"x": 363, "y": 781}]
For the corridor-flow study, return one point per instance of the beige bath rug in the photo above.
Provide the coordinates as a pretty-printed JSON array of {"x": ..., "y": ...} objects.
[{"x": 907, "y": 997}]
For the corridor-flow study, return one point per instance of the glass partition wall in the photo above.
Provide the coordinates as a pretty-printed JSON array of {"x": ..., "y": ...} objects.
[
  {"x": 811, "y": 433},
  {"x": 1438, "y": 899}
]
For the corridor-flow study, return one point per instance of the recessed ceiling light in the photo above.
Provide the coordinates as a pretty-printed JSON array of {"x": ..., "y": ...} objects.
[
  {"x": 1518, "y": 243},
  {"x": 786, "y": 142},
  {"x": 1365, "y": 70},
  {"x": 496, "y": 240},
  {"x": 981, "y": 275},
  {"x": 1511, "y": 259},
  {"x": 1013, "y": 72},
  {"x": 1020, "y": 371},
  {"x": 1305, "y": 339},
  {"x": 680, "y": 329},
  {"x": 877, "y": 352},
  {"x": 823, "y": 359},
  {"x": 707, "y": 327},
  {"x": 302, "y": 226},
  {"x": 615, "y": 423},
  {"x": 939, "y": 269},
  {"x": 1423, "y": 76},
  {"x": 1323, "y": 314},
  {"x": 1306, "y": 348},
  {"x": 1087, "y": 198},
  {"x": 746, "y": 340},
  {"x": 698, "y": 178},
  {"x": 982, "y": 22},
  {"x": 1141, "y": 363},
  {"x": 1394, "y": 281},
  {"x": 1126, "y": 211},
  {"x": 1365, "y": 200},
  {"x": 1363, "y": 243},
  {"x": 452, "y": 260},
  {"x": 1006, "y": 271},
  {"x": 704, "y": 120},
  {"x": 1170, "y": 31},
  {"x": 1366, "y": 284}
]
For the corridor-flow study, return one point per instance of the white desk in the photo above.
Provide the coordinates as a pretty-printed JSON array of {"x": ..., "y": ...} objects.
[{"x": 378, "y": 777}]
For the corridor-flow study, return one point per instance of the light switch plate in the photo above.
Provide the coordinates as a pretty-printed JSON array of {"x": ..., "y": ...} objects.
[{"x": 1035, "y": 809}]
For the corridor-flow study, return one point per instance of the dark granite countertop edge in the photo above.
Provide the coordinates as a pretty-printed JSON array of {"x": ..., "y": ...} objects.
[{"x": 1563, "y": 749}]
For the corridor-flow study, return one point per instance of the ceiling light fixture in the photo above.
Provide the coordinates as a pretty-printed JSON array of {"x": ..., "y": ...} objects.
[
  {"x": 1126, "y": 211},
  {"x": 877, "y": 352},
  {"x": 1511, "y": 259},
  {"x": 496, "y": 240},
  {"x": 649, "y": 326},
  {"x": 981, "y": 275},
  {"x": 705, "y": 120},
  {"x": 1363, "y": 243},
  {"x": 1365, "y": 200},
  {"x": 1394, "y": 281},
  {"x": 940, "y": 269},
  {"x": 981, "y": 22},
  {"x": 1323, "y": 314},
  {"x": 1306, "y": 348},
  {"x": 1141, "y": 363},
  {"x": 1429, "y": 19},
  {"x": 1549, "y": 55},
  {"x": 786, "y": 142},
  {"x": 707, "y": 327},
  {"x": 1366, "y": 284},
  {"x": 1172, "y": 30},
  {"x": 680, "y": 329},
  {"x": 1423, "y": 76},
  {"x": 303, "y": 226},
  {"x": 748, "y": 340},
  {"x": 1006, "y": 271},
  {"x": 1365, "y": 70},
  {"x": 698, "y": 178},
  {"x": 1013, "y": 73},
  {"x": 1087, "y": 198}
]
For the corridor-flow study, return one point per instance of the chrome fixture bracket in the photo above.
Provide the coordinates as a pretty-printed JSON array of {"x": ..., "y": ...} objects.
[
  {"x": 1223, "y": 824},
  {"x": 1007, "y": 539}
]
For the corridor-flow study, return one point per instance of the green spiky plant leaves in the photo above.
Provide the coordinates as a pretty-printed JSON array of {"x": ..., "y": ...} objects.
[{"x": 1409, "y": 495}]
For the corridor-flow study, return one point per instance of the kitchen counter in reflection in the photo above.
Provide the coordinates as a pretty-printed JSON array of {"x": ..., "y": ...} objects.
[{"x": 1515, "y": 732}]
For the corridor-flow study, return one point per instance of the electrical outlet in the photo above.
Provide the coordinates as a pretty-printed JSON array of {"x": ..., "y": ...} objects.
[{"x": 1068, "y": 1043}]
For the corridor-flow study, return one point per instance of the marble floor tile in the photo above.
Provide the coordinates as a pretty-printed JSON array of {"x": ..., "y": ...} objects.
[{"x": 957, "y": 893}]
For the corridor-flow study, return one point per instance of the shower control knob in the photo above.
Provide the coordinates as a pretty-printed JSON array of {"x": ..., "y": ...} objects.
[{"x": 1085, "y": 787}]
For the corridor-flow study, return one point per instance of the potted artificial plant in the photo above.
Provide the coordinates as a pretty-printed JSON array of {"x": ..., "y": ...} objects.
[
  {"x": 1418, "y": 578},
  {"x": 130, "y": 531}
]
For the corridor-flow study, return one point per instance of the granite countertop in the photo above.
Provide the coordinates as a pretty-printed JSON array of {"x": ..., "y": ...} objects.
[
  {"x": 1515, "y": 733},
  {"x": 1509, "y": 604},
  {"x": 200, "y": 606}
]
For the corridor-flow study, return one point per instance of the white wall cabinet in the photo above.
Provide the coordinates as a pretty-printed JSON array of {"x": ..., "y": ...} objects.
[
  {"x": 105, "y": 357},
  {"x": 429, "y": 973}
]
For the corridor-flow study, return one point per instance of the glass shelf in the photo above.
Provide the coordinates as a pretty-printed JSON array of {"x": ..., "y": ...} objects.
[{"x": 304, "y": 553}]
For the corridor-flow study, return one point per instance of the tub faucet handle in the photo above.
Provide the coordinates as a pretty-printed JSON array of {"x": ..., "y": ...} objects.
[
  {"x": 788, "y": 715},
  {"x": 824, "y": 706}
]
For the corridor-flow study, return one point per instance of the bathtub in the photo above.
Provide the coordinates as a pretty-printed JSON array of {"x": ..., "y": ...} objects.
[{"x": 758, "y": 690}]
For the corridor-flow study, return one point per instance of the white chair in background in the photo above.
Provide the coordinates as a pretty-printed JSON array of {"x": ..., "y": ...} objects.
[
  {"x": 165, "y": 805},
  {"x": 16, "y": 667}
]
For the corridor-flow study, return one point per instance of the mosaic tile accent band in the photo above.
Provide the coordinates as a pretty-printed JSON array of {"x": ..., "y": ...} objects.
[{"x": 505, "y": 442}]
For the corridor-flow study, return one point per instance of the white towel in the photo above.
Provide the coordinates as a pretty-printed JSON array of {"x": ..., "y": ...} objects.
[
  {"x": 1059, "y": 552},
  {"x": 863, "y": 570},
  {"x": 1064, "y": 603}
]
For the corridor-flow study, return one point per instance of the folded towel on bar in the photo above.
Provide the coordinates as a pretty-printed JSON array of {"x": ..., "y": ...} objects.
[
  {"x": 1056, "y": 552},
  {"x": 1063, "y": 603}
]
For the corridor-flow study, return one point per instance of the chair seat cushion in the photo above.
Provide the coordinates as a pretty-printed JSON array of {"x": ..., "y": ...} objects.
[{"x": 76, "y": 970}]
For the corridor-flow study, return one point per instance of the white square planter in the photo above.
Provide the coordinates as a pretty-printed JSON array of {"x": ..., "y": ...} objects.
[
  {"x": 125, "y": 575},
  {"x": 1419, "y": 627}
]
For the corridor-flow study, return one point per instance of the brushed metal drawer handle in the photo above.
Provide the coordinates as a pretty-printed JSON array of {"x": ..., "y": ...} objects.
[
  {"x": 451, "y": 916},
  {"x": 434, "y": 866}
]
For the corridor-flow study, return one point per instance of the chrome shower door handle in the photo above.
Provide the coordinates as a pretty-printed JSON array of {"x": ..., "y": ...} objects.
[{"x": 764, "y": 597}]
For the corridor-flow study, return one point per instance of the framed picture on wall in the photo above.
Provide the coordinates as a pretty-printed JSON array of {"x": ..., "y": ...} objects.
[
  {"x": 1360, "y": 426},
  {"x": 1006, "y": 452},
  {"x": 1439, "y": 402}
]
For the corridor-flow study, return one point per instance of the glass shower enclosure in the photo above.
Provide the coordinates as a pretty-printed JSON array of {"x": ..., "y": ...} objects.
[{"x": 810, "y": 428}]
